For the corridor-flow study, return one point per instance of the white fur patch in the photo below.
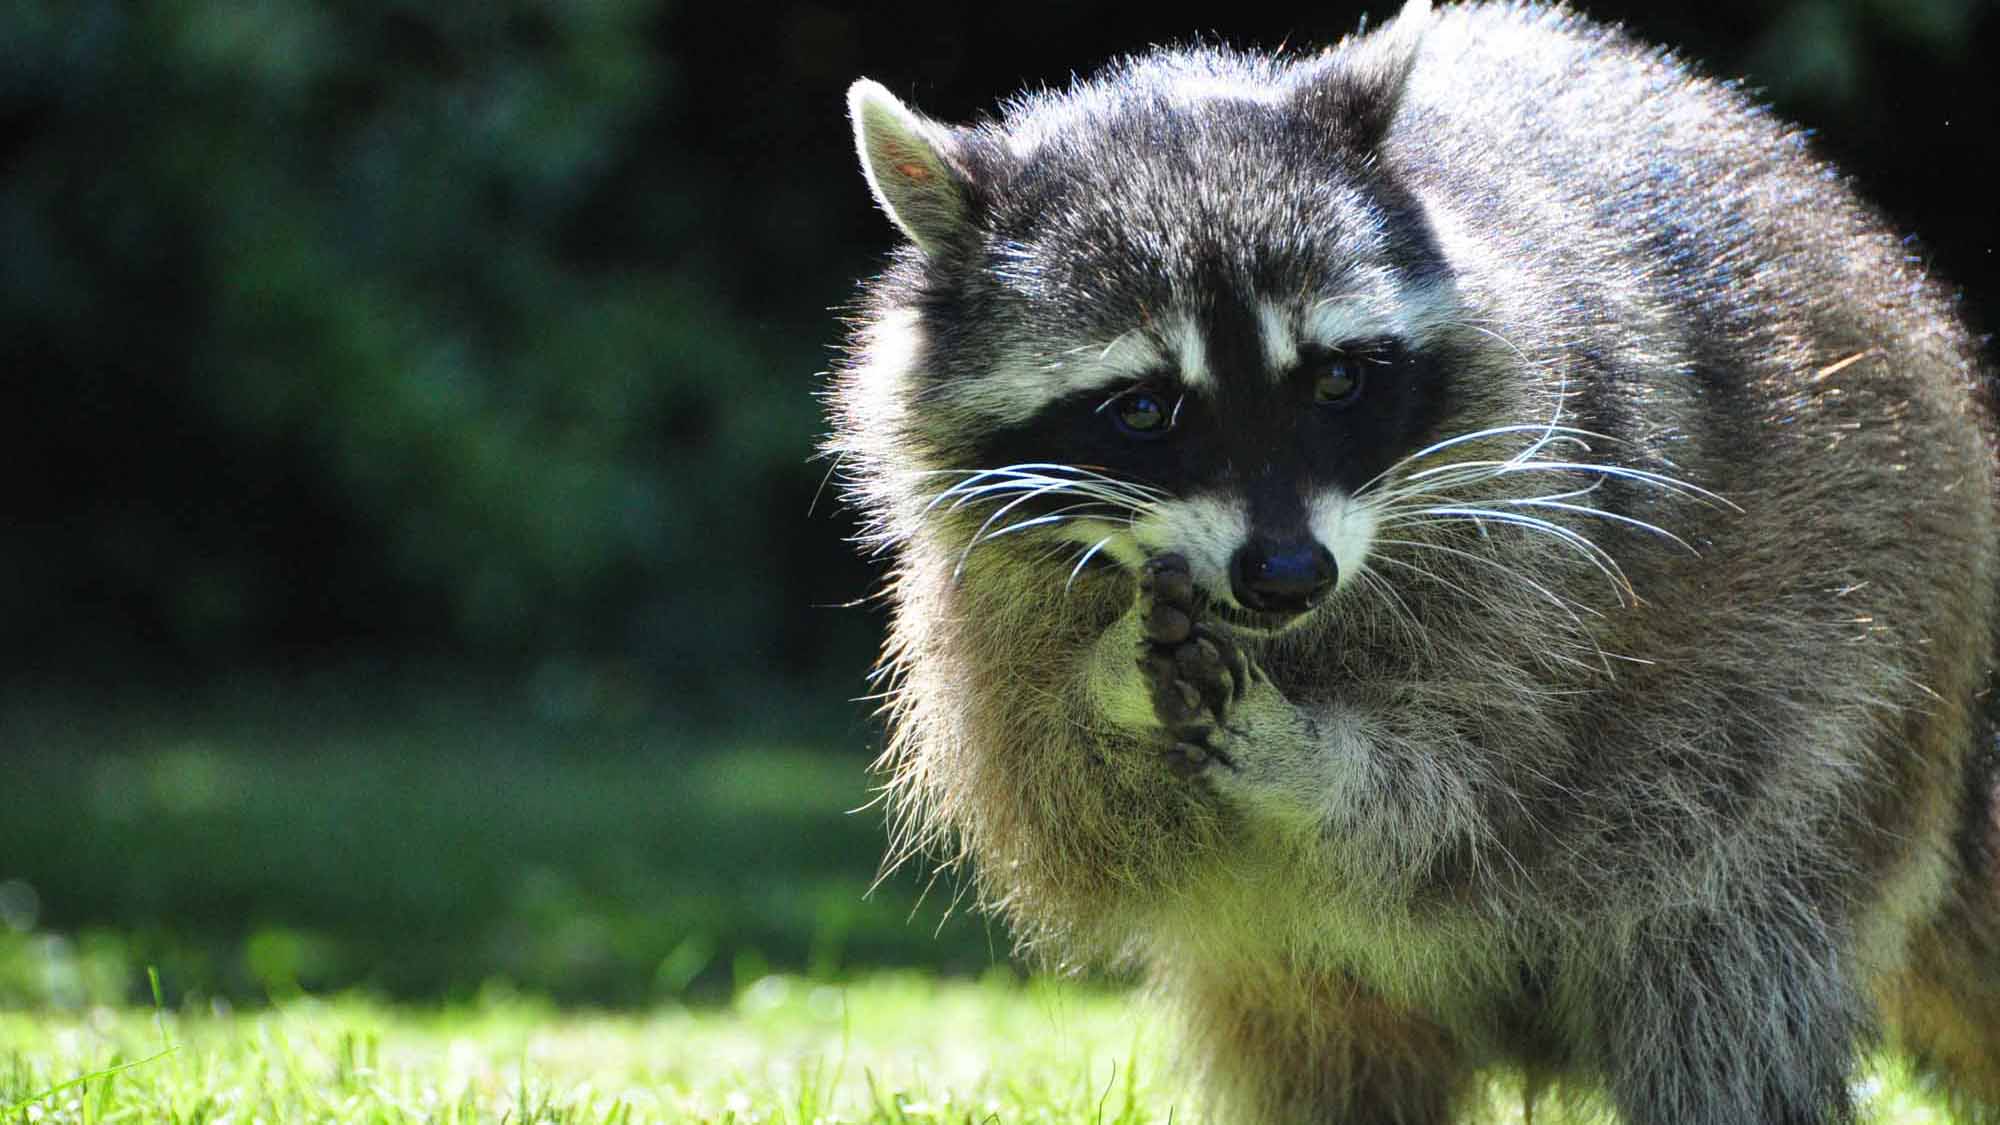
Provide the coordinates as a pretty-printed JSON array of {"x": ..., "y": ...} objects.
[
  {"x": 1275, "y": 331},
  {"x": 1385, "y": 308},
  {"x": 1206, "y": 529},
  {"x": 884, "y": 362},
  {"x": 1131, "y": 353},
  {"x": 889, "y": 346},
  {"x": 1191, "y": 352},
  {"x": 1021, "y": 386},
  {"x": 1346, "y": 528}
]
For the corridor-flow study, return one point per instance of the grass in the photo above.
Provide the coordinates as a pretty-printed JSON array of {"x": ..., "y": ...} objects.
[
  {"x": 903, "y": 1049},
  {"x": 892, "y": 1049}
]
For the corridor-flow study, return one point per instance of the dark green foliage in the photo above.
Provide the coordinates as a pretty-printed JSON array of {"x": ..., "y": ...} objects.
[{"x": 322, "y": 345}]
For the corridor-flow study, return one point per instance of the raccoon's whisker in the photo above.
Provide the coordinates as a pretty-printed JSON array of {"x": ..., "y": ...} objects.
[
  {"x": 1552, "y": 502},
  {"x": 1125, "y": 500},
  {"x": 832, "y": 467},
  {"x": 1470, "y": 472},
  {"x": 1052, "y": 552},
  {"x": 1504, "y": 609},
  {"x": 1435, "y": 490},
  {"x": 966, "y": 494},
  {"x": 987, "y": 532},
  {"x": 1572, "y": 494},
  {"x": 1085, "y": 560},
  {"x": 1620, "y": 472},
  {"x": 1643, "y": 476},
  {"x": 1520, "y": 353},
  {"x": 997, "y": 491},
  {"x": 1093, "y": 474},
  {"x": 1038, "y": 468},
  {"x": 971, "y": 488},
  {"x": 1598, "y": 556},
  {"x": 1064, "y": 515},
  {"x": 1400, "y": 609},
  {"x": 1550, "y": 437},
  {"x": 1460, "y": 473},
  {"x": 1440, "y": 579},
  {"x": 1036, "y": 486},
  {"x": 981, "y": 535},
  {"x": 1547, "y": 594},
  {"x": 987, "y": 482},
  {"x": 1402, "y": 501},
  {"x": 1478, "y": 435}
]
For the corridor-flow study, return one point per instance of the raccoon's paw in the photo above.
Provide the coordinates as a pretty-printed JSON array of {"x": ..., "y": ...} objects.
[{"x": 1194, "y": 674}]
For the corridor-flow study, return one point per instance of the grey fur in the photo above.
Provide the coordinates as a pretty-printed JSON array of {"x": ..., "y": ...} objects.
[{"x": 1646, "y": 750}]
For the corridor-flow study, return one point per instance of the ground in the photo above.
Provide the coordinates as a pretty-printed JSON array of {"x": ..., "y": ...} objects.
[{"x": 897, "y": 1049}]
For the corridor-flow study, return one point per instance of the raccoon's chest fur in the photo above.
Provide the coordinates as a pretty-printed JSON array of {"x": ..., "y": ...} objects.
[{"x": 1468, "y": 547}]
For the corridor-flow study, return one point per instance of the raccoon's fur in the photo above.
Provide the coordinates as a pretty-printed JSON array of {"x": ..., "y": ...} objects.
[{"x": 1470, "y": 549}]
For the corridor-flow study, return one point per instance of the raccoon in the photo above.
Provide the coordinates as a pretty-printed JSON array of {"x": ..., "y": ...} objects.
[{"x": 1468, "y": 551}]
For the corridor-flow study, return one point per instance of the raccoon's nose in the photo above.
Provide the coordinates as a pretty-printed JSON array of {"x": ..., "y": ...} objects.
[{"x": 1281, "y": 577}]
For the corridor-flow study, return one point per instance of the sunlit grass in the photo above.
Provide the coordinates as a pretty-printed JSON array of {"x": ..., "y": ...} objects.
[
  {"x": 887, "y": 1050},
  {"x": 892, "y": 1049}
]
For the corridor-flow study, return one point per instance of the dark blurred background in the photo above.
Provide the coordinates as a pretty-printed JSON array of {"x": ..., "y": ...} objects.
[{"x": 412, "y": 577}]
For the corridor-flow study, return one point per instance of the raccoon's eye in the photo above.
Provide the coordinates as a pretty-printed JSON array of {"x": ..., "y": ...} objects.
[
  {"x": 1141, "y": 413},
  {"x": 1339, "y": 382}
]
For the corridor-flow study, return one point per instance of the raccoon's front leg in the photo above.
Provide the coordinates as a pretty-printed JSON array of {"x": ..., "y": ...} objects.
[{"x": 1195, "y": 676}]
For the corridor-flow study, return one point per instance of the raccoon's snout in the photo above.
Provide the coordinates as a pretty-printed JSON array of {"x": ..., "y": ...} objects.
[{"x": 1281, "y": 577}]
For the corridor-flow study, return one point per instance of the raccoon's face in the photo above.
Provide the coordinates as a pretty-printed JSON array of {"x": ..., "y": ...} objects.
[
  {"x": 1177, "y": 310},
  {"x": 1252, "y": 440}
]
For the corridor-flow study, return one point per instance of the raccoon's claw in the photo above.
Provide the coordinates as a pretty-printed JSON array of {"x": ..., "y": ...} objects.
[
  {"x": 1194, "y": 674},
  {"x": 1166, "y": 580},
  {"x": 1187, "y": 759}
]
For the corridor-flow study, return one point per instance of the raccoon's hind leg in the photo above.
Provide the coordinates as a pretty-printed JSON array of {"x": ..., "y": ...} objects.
[
  {"x": 1699, "y": 1018},
  {"x": 1323, "y": 1050}
]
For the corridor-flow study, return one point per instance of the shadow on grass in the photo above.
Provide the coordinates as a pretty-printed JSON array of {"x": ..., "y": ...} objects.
[{"x": 437, "y": 855}]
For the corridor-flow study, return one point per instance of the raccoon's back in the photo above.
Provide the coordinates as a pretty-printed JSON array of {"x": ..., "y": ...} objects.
[
  {"x": 1651, "y": 189},
  {"x": 1706, "y": 288}
]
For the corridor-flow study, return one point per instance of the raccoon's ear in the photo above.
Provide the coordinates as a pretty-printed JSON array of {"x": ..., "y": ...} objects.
[
  {"x": 907, "y": 159},
  {"x": 1357, "y": 93}
]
